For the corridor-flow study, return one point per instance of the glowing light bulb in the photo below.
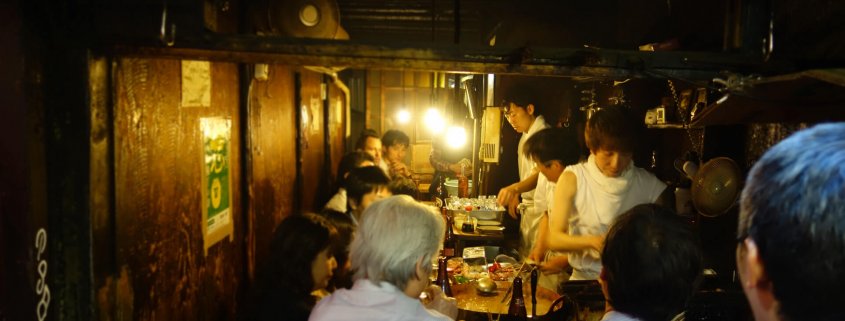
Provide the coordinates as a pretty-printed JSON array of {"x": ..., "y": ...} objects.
[
  {"x": 456, "y": 137},
  {"x": 403, "y": 116},
  {"x": 434, "y": 121}
]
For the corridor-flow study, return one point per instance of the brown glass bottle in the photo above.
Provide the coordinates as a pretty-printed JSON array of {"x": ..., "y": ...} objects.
[
  {"x": 449, "y": 239},
  {"x": 516, "y": 310},
  {"x": 463, "y": 184},
  {"x": 443, "y": 277}
]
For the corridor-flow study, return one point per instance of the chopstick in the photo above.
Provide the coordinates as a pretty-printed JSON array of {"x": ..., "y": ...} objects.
[{"x": 510, "y": 289}]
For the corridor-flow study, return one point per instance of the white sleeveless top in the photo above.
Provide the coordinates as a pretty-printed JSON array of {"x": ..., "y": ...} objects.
[{"x": 598, "y": 201}]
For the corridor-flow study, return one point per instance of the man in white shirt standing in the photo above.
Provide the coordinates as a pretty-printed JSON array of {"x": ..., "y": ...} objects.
[{"x": 522, "y": 113}]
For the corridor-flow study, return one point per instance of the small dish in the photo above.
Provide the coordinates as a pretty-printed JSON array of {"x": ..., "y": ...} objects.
[
  {"x": 490, "y": 229},
  {"x": 488, "y": 223}
]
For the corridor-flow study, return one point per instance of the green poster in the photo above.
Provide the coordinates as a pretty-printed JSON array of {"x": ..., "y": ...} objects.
[{"x": 217, "y": 189}]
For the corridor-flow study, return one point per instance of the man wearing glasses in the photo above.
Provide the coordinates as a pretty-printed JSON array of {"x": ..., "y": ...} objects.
[
  {"x": 523, "y": 115},
  {"x": 791, "y": 251}
]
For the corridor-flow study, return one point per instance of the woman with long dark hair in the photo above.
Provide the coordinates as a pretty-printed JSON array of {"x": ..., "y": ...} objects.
[{"x": 300, "y": 262}]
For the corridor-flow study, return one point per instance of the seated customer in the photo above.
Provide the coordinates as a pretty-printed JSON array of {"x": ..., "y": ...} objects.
[
  {"x": 394, "y": 146},
  {"x": 347, "y": 163},
  {"x": 299, "y": 263},
  {"x": 370, "y": 143},
  {"x": 364, "y": 186},
  {"x": 590, "y": 195},
  {"x": 791, "y": 251},
  {"x": 391, "y": 255},
  {"x": 403, "y": 186},
  {"x": 342, "y": 222},
  {"x": 652, "y": 265}
]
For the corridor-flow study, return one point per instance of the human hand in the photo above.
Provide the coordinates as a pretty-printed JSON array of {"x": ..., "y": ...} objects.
[
  {"x": 399, "y": 168},
  {"x": 537, "y": 254},
  {"x": 554, "y": 265},
  {"x": 597, "y": 242},
  {"x": 439, "y": 302},
  {"x": 512, "y": 207},
  {"x": 509, "y": 196}
]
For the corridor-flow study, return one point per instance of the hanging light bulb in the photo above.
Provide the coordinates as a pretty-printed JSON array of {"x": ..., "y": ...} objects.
[
  {"x": 456, "y": 137},
  {"x": 434, "y": 121},
  {"x": 403, "y": 116}
]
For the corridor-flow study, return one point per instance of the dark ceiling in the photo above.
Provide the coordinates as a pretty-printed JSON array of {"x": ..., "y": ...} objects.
[{"x": 806, "y": 33}]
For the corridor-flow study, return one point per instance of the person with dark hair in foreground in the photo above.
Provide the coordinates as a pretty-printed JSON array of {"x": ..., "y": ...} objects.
[
  {"x": 342, "y": 222},
  {"x": 791, "y": 236},
  {"x": 652, "y": 265},
  {"x": 300, "y": 262}
]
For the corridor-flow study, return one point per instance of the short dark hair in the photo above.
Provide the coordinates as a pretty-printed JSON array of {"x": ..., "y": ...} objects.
[
  {"x": 521, "y": 94},
  {"x": 553, "y": 144},
  {"x": 394, "y": 137},
  {"x": 793, "y": 207},
  {"x": 364, "y": 180},
  {"x": 403, "y": 186},
  {"x": 362, "y": 140},
  {"x": 349, "y": 161},
  {"x": 652, "y": 263},
  {"x": 612, "y": 128}
]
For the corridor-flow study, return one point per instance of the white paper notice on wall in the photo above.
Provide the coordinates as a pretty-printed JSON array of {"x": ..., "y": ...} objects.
[{"x": 196, "y": 83}]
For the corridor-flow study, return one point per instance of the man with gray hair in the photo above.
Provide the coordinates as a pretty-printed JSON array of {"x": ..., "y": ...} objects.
[
  {"x": 791, "y": 251},
  {"x": 391, "y": 254}
]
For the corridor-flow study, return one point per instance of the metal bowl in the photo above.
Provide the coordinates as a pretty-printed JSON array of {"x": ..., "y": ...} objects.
[{"x": 485, "y": 285}]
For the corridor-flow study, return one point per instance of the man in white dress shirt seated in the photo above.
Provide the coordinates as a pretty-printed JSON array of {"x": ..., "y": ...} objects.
[
  {"x": 391, "y": 254},
  {"x": 651, "y": 265}
]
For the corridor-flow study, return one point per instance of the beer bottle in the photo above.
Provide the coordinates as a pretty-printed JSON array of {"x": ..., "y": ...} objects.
[
  {"x": 449, "y": 240},
  {"x": 516, "y": 310},
  {"x": 443, "y": 277},
  {"x": 463, "y": 183}
]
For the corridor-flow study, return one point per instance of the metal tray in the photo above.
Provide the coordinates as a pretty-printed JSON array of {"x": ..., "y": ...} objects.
[{"x": 485, "y": 215}]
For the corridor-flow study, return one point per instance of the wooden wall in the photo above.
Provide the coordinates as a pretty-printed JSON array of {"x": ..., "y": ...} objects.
[
  {"x": 161, "y": 270},
  {"x": 148, "y": 252}
]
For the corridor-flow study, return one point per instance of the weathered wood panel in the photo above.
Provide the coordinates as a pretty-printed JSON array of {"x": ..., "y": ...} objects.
[
  {"x": 272, "y": 158},
  {"x": 162, "y": 273},
  {"x": 337, "y": 117},
  {"x": 314, "y": 181}
]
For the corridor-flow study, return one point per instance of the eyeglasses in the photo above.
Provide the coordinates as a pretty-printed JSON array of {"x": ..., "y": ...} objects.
[{"x": 511, "y": 111}]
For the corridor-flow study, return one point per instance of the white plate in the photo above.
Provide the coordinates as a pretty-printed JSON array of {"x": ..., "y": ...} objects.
[
  {"x": 488, "y": 223},
  {"x": 490, "y": 229}
]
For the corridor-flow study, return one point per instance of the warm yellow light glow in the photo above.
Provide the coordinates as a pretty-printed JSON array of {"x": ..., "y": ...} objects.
[
  {"x": 403, "y": 116},
  {"x": 456, "y": 137},
  {"x": 434, "y": 121}
]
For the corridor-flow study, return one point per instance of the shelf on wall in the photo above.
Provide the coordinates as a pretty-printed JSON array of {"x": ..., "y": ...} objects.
[
  {"x": 668, "y": 126},
  {"x": 808, "y": 96}
]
